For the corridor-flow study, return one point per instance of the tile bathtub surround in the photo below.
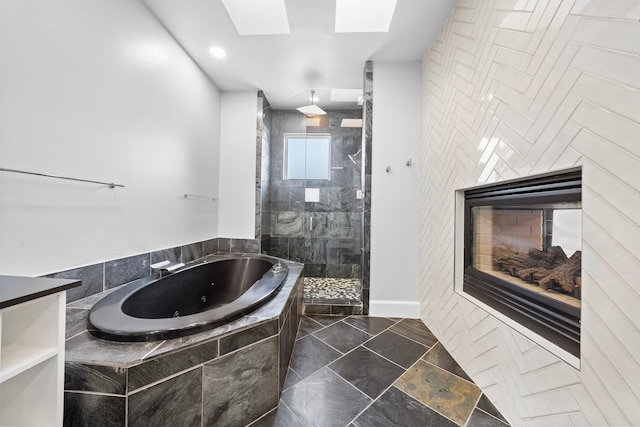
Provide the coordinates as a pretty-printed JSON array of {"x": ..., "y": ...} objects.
[
  {"x": 341, "y": 376},
  {"x": 160, "y": 382},
  {"x": 100, "y": 277}
]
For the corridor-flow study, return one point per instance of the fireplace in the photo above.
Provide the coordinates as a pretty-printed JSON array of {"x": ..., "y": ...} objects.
[{"x": 522, "y": 253}]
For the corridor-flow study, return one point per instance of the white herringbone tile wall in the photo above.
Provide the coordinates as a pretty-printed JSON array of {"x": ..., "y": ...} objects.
[{"x": 520, "y": 87}]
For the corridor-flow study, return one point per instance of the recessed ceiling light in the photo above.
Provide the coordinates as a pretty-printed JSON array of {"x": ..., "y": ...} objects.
[
  {"x": 217, "y": 52},
  {"x": 258, "y": 17},
  {"x": 364, "y": 16}
]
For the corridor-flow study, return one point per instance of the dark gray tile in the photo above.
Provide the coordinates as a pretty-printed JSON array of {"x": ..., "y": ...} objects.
[
  {"x": 192, "y": 252},
  {"x": 371, "y": 325},
  {"x": 479, "y": 418},
  {"x": 92, "y": 278},
  {"x": 125, "y": 270},
  {"x": 314, "y": 309},
  {"x": 440, "y": 357},
  {"x": 325, "y": 400},
  {"x": 224, "y": 245},
  {"x": 248, "y": 336},
  {"x": 292, "y": 379},
  {"x": 342, "y": 337},
  {"x": 367, "y": 371},
  {"x": 251, "y": 246},
  {"x": 416, "y": 330},
  {"x": 95, "y": 410},
  {"x": 326, "y": 320},
  {"x": 279, "y": 417},
  {"x": 243, "y": 386},
  {"x": 311, "y": 354},
  {"x": 485, "y": 404},
  {"x": 96, "y": 378},
  {"x": 76, "y": 321},
  {"x": 308, "y": 326},
  {"x": 162, "y": 367},
  {"x": 174, "y": 402},
  {"x": 209, "y": 247},
  {"x": 170, "y": 254},
  {"x": 396, "y": 348},
  {"x": 346, "y": 310},
  {"x": 395, "y": 408}
]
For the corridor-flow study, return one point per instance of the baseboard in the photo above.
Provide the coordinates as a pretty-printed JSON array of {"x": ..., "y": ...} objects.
[{"x": 404, "y": 309}]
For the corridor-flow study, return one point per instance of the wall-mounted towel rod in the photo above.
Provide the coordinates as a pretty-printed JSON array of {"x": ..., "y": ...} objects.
[
  {"x": 186, "y": 196},
  {"x": 110, "y": 184}
]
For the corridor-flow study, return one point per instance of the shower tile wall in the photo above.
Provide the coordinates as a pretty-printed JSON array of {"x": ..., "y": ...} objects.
[{"x": 333, "y": 247}]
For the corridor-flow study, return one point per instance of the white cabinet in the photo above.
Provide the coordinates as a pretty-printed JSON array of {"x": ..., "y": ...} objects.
[{"x": 32, "y": 359}]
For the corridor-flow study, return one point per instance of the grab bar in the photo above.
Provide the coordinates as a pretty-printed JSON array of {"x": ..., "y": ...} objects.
[
  {"x": 110, "y": 184},
  {"x": 186, "y": 196}
]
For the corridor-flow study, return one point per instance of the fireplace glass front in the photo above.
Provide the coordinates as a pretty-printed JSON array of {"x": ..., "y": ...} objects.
[{"x": 523, "y": 253}]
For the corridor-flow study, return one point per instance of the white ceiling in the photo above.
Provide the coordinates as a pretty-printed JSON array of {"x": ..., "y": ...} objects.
[{"x": 312, "y": 56}]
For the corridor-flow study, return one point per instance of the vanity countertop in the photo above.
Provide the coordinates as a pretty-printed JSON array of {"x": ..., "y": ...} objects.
[{"x": 18, "y": 289}]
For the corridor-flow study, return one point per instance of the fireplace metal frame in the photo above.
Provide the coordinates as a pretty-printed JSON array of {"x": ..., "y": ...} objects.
[{"x": 552, "y": 319}]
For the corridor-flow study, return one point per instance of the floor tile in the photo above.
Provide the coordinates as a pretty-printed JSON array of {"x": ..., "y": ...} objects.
[
  {"x": 479, "y": 418},
  {"x": 440, "y": 357},
  {"x": 485, "y": 404},
  {"x": 311, "y": 354},
  {"x": 307, "y": 326},
  {"x": 326, "y": 320},
  {"x": 325, "y": 400},
  {"x": 371, "y": 325},
  {"x": 436, "y": 388},
  {"x": 292, "y": 379},
  {"x": 415, "y": 330},
  {"x": 395, "y": 408},
  {"x": 279, "y": 417},
  {"x": 367, "y": 371},
  {"x": 396, "y": 348},
  {"x": 342, "y": 336}
]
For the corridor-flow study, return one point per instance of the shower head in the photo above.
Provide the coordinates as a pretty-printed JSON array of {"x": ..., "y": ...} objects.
[{"x": 352, "y": 157}]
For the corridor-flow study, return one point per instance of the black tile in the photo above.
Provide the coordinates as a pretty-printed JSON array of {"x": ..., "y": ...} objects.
[
  {"x": 279, "y": 417},
  {"x": 479, "y": 418},
  {"x": 372, "y": 325},
  {"x": 311, "y": 354},
  {"x": 324, "y": 399},
  {"x": 307, "y": 326},
  {"x": 125, "y": 270},
  {"x": 95, "y": 410},
  {"x": 162, "y": 367},
  {"x": 440, "y": 357},
  {"x": 415, "y": 330},
  {"x": 243, "y": 386},
  {"x": 367, "y": 371},
  {"x": 395, "y": 408},
  {"x": 174, "y": 402},
  {"x": 485, "y": 404},
  {"x": 248, "y": 336},
  {"x": 95, "y": 378},
  {"x": 342, "y": 336},
  {"x": 396, "y": 348}
]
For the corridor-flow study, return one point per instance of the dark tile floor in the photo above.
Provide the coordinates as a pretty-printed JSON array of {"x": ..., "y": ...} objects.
[{"x": 360, "y": 371}]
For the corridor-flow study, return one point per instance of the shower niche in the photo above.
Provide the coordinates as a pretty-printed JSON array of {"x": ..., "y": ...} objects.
[{"x": 522, "y": 253}]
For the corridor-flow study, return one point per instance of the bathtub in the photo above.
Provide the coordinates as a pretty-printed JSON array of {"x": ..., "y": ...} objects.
[{"x": 191, "y": 300}]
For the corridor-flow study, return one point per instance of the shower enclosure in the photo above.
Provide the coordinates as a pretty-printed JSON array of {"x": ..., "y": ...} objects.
[{"x": 313, "y": 207}]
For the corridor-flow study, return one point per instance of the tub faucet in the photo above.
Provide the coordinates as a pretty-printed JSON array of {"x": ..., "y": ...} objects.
[
  {"x": 277, "y": 267},
  {"x": 164, "y": 268}
]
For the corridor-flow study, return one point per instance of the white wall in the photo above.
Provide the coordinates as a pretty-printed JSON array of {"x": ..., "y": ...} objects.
[
  {"x": 395, "y": 195},
  {"x": 99, "y": 90},
  {"x": 238, "y": 168},
  {"x": 518, "y": 88}
]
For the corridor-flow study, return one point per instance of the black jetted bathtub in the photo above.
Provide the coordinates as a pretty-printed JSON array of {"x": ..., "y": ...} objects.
[{"x": 200, "y": 297}]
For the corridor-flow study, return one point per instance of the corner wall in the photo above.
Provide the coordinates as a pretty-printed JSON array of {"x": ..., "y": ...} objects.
[
  {"x": 518, "y": 88},
  {"x": 395, "y": 194},
  {"x": 99, "y": 90}
]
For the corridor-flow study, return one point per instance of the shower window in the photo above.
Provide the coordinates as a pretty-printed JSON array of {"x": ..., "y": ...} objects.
[{"x": 307, "y": 156}]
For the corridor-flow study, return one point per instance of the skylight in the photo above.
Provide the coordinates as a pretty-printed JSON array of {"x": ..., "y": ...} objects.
[
  {"x": 258, "y": 17},
  {"x": 364, "y": 16}
]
